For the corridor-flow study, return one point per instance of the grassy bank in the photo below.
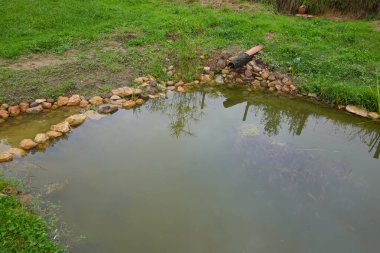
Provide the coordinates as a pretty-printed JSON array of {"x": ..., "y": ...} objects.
[
  {"x": 337, "y": 60},
  {"x": 20, "y": 229}
]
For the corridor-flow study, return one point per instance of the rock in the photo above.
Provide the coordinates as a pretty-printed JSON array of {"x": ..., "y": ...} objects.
[
  {"x": 293, "y": 87},
  {"x": 33, "y": 104},
  {"x": 62, "y": 127},
  {"x": 10, "y": 191},
  {"x": 17, "y": 152},
  {"x": 83, "y": 103},
  {"x": 53, "y": 107},
  {"x": 5, "y": 156},
  {"x": 36, "y": 109},
  {"x": 264, "y": 84},
  {"x": 96, "y": 100},
  {"x": 4, "y": 114},
  {"x": 108, "y": 95},
  {"x": 91, "y": 114},
  {"x": 205, "y": 78},
  {"x": 126, "y": 91},
  {"x": 248, "y": 73},
  {"x": 118, "y": 102},
  {"x": 46, "y": 105},
  {"x": 23, "y": 106},
  {"x": 373, "y": 115},
  {"x": 76, "y": 119},
  {"x": 341, "y": 107},
  {"x": 129, "y": 104},
  {"x": 170, "y": 73},
  {"x": 41, "y": 138},
  {"x": 219, "y": 79},
  {"x": 180, "y": 89},
  {"x": 40, "y": 100},
  {"x": 278, "y": 87},
  {"x": 107, "y": 100},
  {"x": 74, "y": 100},
  {"x": 107, "y": 108},
  {"x": 170, "y": 88},
  {"x": 259, "y": 78},
  {"x": 312, "y": 95},
  {"x": 4, "y": 106},
  {"x": 256, "y": 83},
  {"x": 285, "y": 89},
  {"x": 170, "y": 83},
  {"x": 171, "y": 67},
  {"x": 27, "y": 144},
  {"x": 265, "y": 75},
  {"x": 62, "y": 101},
  {"x": 53, "y": 134},
  {"x": 225, "y": 71},
  {"x": 179, "y": 83},
  {"x": 50, "y": 100},
  {"x": 206, "y": 70},
  {"x": 221, "y": 63},
  {"x": 140, "y": 101},
  {"x": 271, "y": 78},
  {"x": 139, "y": 80},
  {"x": 115, "y": 97},
  {"x": 256, "y": 68},
  {"x": 356, "y": 110},
  {"x": 14, "y": 111}
]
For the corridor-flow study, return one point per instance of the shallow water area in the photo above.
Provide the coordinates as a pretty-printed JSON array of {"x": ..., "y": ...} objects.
[{"x": 217, "y": 170}]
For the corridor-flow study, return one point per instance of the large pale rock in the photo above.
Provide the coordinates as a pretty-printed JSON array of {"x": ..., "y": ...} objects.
[
  {"x": 62, "y": 127},
  {"x": 5, "y": 156},
  {"x": 373, "y": 115},
  {"x": 74, "y": 100},
  {"x": 46, "y": 105},
  {"x": 36, "y": 109},
  {"x": 27, "y": 144},
  {"x": 91, "y": 114},
  {"x": 356, "y": 110},
  {"x": 40, "y": 100},
  {"x": 41, "y": 138},
  {"x": 129, "y": 104},
  {"x": 61, "y": 101},
  {"x": 180, "y": 89},
  {"x": 23, "y": 106},
  {"x": 53, "y": 134},
  {"x": 4, "y": 114},
  {"x": 96, "y": 100},
  {"x": 115, "y": 97},
  {"x": 140, "y": 101},
  {"x": 14, "y": 110},
  {"x": 76, "y": 119},
  {"x": 126, "y": 91},
  {"x": 107, "y": 108},
  {"x": 17, "y": 152}
]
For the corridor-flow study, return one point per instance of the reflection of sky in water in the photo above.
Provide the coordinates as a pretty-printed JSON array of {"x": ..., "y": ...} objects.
[{"x": 267, "y": 175}]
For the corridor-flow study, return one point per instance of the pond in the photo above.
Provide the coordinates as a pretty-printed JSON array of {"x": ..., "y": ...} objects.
[{"x": 217, "y": 170}]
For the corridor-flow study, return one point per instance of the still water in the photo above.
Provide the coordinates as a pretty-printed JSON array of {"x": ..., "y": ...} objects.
[{"x": 213, "y": 172}]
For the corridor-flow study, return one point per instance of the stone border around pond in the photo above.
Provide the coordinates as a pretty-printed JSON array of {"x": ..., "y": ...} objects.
[{"x": 254, "y": 75}]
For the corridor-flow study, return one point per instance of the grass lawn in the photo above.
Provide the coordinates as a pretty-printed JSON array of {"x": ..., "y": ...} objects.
[
  {"x": 20, "y": 229},
  {"x": 337, "y": 60}
]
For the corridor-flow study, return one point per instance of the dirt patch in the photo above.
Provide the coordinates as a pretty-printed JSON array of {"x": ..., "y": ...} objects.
[
  {"x": 377, "y": 26},
  {"x": 37, "y": 61},
  {"x": 269, "y": 36}
]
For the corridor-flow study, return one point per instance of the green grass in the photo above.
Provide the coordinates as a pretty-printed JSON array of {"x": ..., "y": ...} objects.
[
  {"x": 337, "y": 60},
  {"x": 21, "y": 230}
]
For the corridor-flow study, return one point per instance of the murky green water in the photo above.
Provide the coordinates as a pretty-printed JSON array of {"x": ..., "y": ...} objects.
[{"x": 222, "y": 172}]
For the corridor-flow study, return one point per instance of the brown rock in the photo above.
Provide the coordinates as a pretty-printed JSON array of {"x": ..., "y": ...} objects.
[
  {"x": 62, "y": 101},
  {"x": 115, "y": 97},
  {"x": 180, "y": 89},
  {"x": 46, "y": 105},
  {"x": 23, "y": 106},
  {"x": 356, "y": 110},
  {"x": 83, "y": 103},
  {"x": 4, "y": 106},
  {"x": 126, "y": 91},
  {"x": 36, "y": 109},
  {"x": 180, "y": 83},
  {"x": 53, "y": 134},
  {"x": 5, "y": 156},
  {"x": 140, "y": 101},
  {"x": 265, "y": 75},
  {"x": 129, "y": 104},
  {"x": 27, "y": 144},
  {"x": 341, "y": 107},
  {"x": 107, "y": 100},
  {"x": 17, "y": 152},
  {"x": 4, "y": 114},
  {"x": 14, "y": 110},
  {"x": 373, "y": 115},
  {"x": 221, "y": 63},
  {"x": 76, "y": 119},
  {"x": 41, "y": 138},
  {"x": 248, "y": 73},
  {"x": 74, "y": 100},
  {"x": 96, "y": 100},
  {"x": 170, "y": 83},
  {"x": 285, "y": 89},
  {"x": 62, "y": 127},
  {"x": 170, "y": 88}
]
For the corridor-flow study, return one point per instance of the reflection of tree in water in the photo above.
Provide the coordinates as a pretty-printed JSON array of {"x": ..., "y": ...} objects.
[
  {"x": 183, "y": 109},
  {"x": 371, "y": 138}
]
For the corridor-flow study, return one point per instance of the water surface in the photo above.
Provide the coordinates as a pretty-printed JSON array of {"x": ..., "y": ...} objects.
[{"x": 219, "y": 171}]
